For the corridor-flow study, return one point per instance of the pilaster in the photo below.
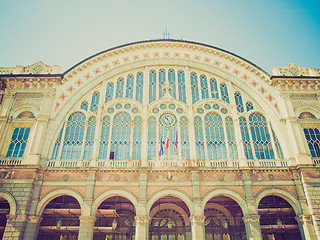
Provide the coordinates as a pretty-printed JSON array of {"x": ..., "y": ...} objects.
[
  {"x": 197, "y": 227},
  {"x": 15, "y": 227},
  {"x": 252, "y": 224},
  {"x": 86, "y": 228},
  {"x": 32, "y": 227},
  {"x": 142, "y": 227}
]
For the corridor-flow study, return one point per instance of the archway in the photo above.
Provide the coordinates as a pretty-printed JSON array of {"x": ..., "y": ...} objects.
[
  {"x": 223, "y": 219},
  {"x": 4, "y": 211},
  {"x": 60, "y": 219},
  {"x": 169, "y": 219},
  {"x": 277, "y": 219},
  {"x": 115, "y": 219}
]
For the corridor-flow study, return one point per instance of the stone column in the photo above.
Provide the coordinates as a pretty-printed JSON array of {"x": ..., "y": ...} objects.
[
  {"x": 142, "y": 227},
  {"x": 305, "y": 222},
  {"x": 252, "y": 224},
  {"x": 32, "y": 227},
  {"x": 15, "y": 227},
  {"x": 86, "y": 229},
  {"x": 197, "y": 227}
]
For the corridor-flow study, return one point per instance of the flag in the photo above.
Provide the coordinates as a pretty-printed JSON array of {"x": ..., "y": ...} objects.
[
  {"x": 176, "y": 144},
  {"x": 167, "y": 142},
  {"x": 161, "y": 148}
]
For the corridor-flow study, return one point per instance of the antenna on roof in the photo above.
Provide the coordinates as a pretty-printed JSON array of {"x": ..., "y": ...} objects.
[{"x": 166, "y": 35}]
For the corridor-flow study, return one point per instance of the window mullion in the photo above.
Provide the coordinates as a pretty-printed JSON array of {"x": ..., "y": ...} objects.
[
  {"x": 226, "y": 139},
  {"x": 275, "y": 152},
  {"x": 62, "y": 141}
]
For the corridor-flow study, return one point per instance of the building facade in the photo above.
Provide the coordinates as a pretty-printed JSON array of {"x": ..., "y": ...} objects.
[{"x": 160, "y": 140}]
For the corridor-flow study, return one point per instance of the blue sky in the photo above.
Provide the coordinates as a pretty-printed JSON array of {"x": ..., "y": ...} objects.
[{"x": 64, "y": 32}]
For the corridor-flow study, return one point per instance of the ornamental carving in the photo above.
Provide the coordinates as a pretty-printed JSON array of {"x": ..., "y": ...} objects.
[
  {"x": 197, "y": 219},
  {"x": 303, "y": 218},
  {"x": 142, "y": 219},
  {"x": 34, "y": 219},
  {"x": 17, "y": 218},
  {"x": 251, "y": 218}
]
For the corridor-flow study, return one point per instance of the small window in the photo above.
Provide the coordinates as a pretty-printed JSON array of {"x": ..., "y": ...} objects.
[
  {"x": 26, "y": 114},
  {"x": 84, "y": 105},
  {"x": 18, "y": 142},
  {"x": 111, "y": 155},
  {"x": 307, "y": 115}
]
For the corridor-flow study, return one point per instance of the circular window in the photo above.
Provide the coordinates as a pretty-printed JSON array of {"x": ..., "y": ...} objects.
[
  {"x": 172, "y": 106},
  {"x": 155, "y": 110},
  {"x": 134, "y": 110},
  {"x": 200, "y": 110},
  {"x": 207, "y": 106},
  {"x": 118, "y": 106},
  {"x": 179, "y": 110},
  {"x": 163, "y": 106},
  {"x": 127, "y": 106},
  {"x": 216, "y": 106},
  {"x": 224, "y": 110},
  {"x": 110, "y": 110}
]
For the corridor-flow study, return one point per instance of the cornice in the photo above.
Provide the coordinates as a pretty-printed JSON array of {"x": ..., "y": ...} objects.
[{"x": 296, "y": 83}]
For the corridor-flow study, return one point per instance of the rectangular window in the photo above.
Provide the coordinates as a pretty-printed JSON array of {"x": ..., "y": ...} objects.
[{"x": 18, "y": 142}]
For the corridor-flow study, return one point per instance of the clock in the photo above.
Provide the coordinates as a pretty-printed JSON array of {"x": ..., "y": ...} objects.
[{"x": 168, "y": 120}]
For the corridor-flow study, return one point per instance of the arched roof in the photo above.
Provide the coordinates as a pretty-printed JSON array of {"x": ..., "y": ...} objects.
[
  {"x": 106, "y": 64},
  {"x": 161, "y": 40}
]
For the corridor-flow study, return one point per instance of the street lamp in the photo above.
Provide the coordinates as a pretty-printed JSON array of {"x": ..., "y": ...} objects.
[
  {"x": 279, "y": 223},
  {"x": 114, "y": 224}
]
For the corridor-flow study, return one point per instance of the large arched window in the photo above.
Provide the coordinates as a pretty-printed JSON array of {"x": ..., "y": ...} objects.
[
  {"x": 73, "y": 137},
  {"x": 89, "y": 138},
  {"x": 95, "y": 101},
  {"x": 137, "y": 133},
  {"x": 162, "y": 80},
  {"x": 104, "y": 138},
  {"x": 109, "y": 92},
  {"x": 119, "y": 89},
  {"x": 245, "y": 138},
  {"x": 215, "y": 138},
  {"x": 214, "y": 88},
  {"x": 194, "y": 87},
  {"x": 181, "y": 86},
  {"x": 120, "y": 137},
  {"x": 239, "y": 103},
  {"x": 313, "y": 140},
  {"x": 260, "y": 136},
  {"x": 152, "y": 86},
  {"x": 204, "y": 87},
  {"x": 129, "y": 87},
  {"x": 224, "y": 92},
  {"x": 139, "y": 87},
  {"x": 152, "y": 137},
  {"x": 233, "y": 153},
  {"x": 184, "y": 138},
  {"x": 199, "y": 138}
]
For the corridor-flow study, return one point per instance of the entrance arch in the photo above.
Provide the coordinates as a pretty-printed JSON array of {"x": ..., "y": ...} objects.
[
  {"x": 115, "y": 219},
  {"x": 4, "y": 211},
  {"x": 223, "y": 219},
  {"x": 60, "y": 219},
  {"x": 278, "y": 219},
  {"x": 169, "y": 219}
]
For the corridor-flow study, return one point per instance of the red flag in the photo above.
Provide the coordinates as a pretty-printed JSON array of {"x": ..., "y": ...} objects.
[{"x": 167, "y": 142}]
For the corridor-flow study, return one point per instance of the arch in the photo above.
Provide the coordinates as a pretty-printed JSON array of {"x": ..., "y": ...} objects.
[
  {"x": 221, "y": 209},
  {"x": 177, "y": 208},
  {"x": 307, "y": 109},
  {"x": 111, "y": 193},
  {"x": 283, "y": 194},
  {"x": 27, "y": 108},
  {"x": 172, "y": 192},
  {"x": 57, "y": 193},
  {"x": 228, "y": 193},
  {"x": 12, "y": 202}
]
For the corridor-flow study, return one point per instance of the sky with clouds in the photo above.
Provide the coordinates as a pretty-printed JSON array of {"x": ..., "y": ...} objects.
[{"x": 64, "y": 32}]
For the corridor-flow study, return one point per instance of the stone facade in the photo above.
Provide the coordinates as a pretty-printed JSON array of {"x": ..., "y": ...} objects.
[{"x": 41, "y": 99}]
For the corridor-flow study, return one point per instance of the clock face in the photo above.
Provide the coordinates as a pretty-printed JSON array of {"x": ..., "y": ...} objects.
[{"x": 168, "y": 120}]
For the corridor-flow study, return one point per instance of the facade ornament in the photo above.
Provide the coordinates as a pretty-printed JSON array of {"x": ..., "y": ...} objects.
[
  {"x": 303, "y": 218},
  {"x": 142, "y": 219},
  {"x": 197, "y": 219},
  {"x": 251, "y": 218},
  {"x": 17, "y": 218},
  {"x": 295, "y": 70},
  {"x": 34, "y": 219},
  {"x": 87, "y": 219}
]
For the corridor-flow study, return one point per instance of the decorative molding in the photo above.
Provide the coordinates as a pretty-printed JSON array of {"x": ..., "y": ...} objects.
[
  {"x": 197, "y": 219},
  {"x": 17, "y": 218},
  {"x": 142, "y": 219},
  {"x": 295, "y": 70},
  {"x": 34, "y": 219},
  {"x": 36, "y": 68},
  {"x": 312, "y": 97},
  {"x": 303, "y": 218},
  {"x": 251, "y": 218}
]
